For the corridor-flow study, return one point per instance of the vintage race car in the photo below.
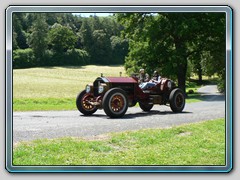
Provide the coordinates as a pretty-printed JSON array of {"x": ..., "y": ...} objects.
[{"x": 115, "y": 94}]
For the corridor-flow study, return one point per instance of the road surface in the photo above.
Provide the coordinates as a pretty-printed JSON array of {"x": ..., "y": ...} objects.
[{"x": 55, "y": 124}]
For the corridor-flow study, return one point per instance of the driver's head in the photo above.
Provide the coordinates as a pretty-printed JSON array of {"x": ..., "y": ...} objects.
[{"x": 141, "y": 71}]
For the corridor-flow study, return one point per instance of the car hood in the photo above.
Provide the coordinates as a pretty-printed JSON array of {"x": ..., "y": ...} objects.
[{"x": 119, "y": 79}]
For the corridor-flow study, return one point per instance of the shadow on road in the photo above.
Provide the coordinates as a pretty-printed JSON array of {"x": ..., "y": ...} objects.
[
  {"x": 150, "y": 113},
  {"x": 138, "y": 114},
  {"x": 209, "y": 93},
  {"x": 208, "y": 97}
]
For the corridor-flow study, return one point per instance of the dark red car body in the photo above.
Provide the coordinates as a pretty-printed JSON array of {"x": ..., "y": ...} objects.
[{"x": 116, "y": 94}]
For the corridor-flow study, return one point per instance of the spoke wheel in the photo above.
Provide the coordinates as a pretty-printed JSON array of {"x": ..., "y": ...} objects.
[
  {"x": 179, "y": 100},
  {"x": 115, "y": 103},
  {"x": 83, "y": 104}
]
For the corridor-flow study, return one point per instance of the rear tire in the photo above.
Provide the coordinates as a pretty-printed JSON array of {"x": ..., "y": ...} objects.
[
  {"x": 83, "y": 106},
  {"x": 177, "y": 100},
  {"x": 115, "y": 103}
]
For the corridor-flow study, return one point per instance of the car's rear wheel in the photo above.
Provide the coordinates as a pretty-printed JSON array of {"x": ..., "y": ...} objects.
[
  {"x": 145, "y": 106},
  {"x": 83, "y": 105},
  {"x": 177, "y": 100},
  {"x": 115, "y": 103}
]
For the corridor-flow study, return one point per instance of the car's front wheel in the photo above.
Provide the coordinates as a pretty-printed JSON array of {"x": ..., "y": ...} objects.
[
  {"x": 115, "y": 103},
  {"x": 83, "y": 105}
]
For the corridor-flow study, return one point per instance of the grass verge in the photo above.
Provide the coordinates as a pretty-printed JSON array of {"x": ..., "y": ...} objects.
[
  {"x": 193, "y": 144},
  {"x": 192, "y": 98},
  {"x": 44, "y": 104},
  {"x": 49, "y": 104}
]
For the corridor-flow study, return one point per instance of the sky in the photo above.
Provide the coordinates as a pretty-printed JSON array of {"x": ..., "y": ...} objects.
[{"x": 89, "y": 14}]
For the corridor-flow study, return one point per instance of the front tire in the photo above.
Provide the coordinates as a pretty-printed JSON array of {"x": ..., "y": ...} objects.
[
  {"x": 115, "y": 103},
  {"x": 82, "y": 103},
  {"x": 177, "y": 100},
  {"x": 145, "y": 106}
]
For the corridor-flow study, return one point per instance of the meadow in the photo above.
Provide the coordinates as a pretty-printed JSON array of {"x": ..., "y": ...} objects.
[{"x": 54, "y": 88}]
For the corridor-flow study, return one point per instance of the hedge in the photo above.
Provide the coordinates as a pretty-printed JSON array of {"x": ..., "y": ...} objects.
[{"x": 24, "y": 58}]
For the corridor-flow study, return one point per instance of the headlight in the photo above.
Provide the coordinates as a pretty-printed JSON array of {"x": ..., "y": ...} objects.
[
  {"x": 100, "y": 89},
  {"x": 88, "y": 89},
  {"x": 169, "y": 84}
]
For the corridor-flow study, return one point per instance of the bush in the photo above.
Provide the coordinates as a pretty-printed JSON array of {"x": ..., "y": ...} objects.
[
  {"x": 72, "y": 57},
  {"x": 77, "y": 57},
  {"x": 221, "y": 86},
  {"x": 47, "y": 59},
  {"x": 23, "y": 58}
]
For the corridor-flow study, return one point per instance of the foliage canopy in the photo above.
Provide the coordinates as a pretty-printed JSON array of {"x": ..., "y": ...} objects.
[
  {"x": 169, "y": 42},
  {"x": 66, "y": 39}
]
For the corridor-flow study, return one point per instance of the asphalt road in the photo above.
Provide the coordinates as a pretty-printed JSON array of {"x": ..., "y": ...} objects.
[{"x": 54, "y": 124}]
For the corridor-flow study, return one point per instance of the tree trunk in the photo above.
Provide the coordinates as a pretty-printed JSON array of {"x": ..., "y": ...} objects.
[
  {"x": 182, "y": 70},
  {"x": 182, "y": 64},
  {"x": 200, "y": 75}
]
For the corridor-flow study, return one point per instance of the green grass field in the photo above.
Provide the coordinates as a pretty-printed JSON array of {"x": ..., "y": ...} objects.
[
  {"x": 193, "y": 144},
  {"x": 57, "y": 82},
  {"x": 55, "y": 88}
]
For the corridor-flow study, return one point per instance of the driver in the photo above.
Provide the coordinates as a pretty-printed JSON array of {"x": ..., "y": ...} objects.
[
  {"x": 143, "y": 77},
  {"x": 155, "y": 79}
]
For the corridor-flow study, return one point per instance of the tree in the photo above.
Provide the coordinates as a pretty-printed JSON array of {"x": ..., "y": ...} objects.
[
  {"x": 61, "y": 39},
  {"x": 85, "y": 34},
  {"x": 167, "y": 41},
  {"x": 38, "y": 37},
  {"x": 216, "y": 49},
  {"x": 101, "y": 48},
  {"x": 18, "y": 27},
  {"x": 95, "y": 34},
  {"x": 95, "y": 23},
  {"x": 119, "y": 49},
  {"x": 15, "y": 45}
]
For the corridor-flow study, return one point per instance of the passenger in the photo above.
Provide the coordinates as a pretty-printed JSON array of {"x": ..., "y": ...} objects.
[
  {"x": 143, "y": 77},
  {"x": 155, "y": 79}
]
